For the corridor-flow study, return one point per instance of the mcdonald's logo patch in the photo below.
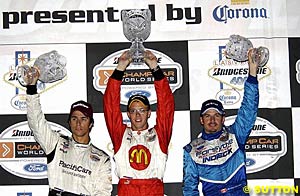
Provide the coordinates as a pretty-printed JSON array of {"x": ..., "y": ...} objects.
[{"x": 139, "y": 157}]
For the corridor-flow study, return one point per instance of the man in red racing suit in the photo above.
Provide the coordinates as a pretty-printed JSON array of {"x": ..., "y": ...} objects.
[{"x": 140, "y": 152}]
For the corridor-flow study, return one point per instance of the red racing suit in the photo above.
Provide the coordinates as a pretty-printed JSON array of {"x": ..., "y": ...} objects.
[
  {"x": 73, "y": 168},
  {"x": 140, "y": 158}
]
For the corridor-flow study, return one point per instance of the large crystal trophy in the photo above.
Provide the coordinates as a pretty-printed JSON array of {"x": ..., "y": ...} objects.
[
  {"x": 136, "y": 28},
  {"x": 51, "y": 67},
  {"x": 237, "y": 49}
]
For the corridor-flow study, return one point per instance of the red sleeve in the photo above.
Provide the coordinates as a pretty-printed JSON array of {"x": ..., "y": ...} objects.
[
  {"x": 164, "y": 113},
  {"x": 112, "y": 112}
]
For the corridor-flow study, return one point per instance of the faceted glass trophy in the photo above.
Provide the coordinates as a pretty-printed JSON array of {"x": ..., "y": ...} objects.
[
  {"x": 237, "y": 49},
  {"x": 136, "y": 28},
  {"x": 51, "y": 66}
]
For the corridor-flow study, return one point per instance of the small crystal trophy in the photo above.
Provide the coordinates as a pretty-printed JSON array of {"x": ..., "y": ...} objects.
[
  {"x": 51, "y": 67},
  {"x": 136, "y": 28},
  {"x": 237, "y": 49}
]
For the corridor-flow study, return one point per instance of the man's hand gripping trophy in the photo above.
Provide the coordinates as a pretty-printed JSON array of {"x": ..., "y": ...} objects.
[
  {"x": 31, "y": 77},
  {"x": 49, "y": 67},
  {"x": 125, "y": 59}
]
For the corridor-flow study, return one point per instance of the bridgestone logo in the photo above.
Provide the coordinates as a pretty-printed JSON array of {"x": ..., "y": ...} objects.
[{"x": 18, "y": 133}]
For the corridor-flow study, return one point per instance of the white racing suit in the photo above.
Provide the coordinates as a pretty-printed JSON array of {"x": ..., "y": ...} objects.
[{"x": 73, "y": 168}]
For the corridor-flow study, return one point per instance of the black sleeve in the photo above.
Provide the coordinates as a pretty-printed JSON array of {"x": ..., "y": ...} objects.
[{"x": 31, "y": 89}]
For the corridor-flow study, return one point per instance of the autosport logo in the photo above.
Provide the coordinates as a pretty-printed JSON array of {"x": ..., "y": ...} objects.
[
  {"x": 265, "y": 145},
  {"x": 137, "y": 78},
  {"x": 21, "y": 155}
]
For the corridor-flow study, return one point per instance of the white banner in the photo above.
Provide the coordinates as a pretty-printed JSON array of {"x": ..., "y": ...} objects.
[{"x": 39, "y": 21}]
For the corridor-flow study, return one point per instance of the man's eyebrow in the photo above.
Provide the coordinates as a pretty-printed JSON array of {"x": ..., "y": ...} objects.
[{"x": 79, "y": 116}]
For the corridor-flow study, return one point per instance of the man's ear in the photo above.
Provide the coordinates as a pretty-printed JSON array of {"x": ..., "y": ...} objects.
[
  {"x": 201, "y": 120},
  {"x": 223, "y": 120},
  {"x": 149, "y": 113},
  {"x": 127, "y": 114}
]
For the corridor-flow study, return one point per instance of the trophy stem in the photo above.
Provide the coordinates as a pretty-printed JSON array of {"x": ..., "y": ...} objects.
[{"x": 137, "y": 51}]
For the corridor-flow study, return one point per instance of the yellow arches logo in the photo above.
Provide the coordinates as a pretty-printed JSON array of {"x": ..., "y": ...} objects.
[{"x": 139, "y": 157}]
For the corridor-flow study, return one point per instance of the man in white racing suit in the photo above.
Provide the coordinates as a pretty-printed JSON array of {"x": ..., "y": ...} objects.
[{"x": 75, "y": 165}]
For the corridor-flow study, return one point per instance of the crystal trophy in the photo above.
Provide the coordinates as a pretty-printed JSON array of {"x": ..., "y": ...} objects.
[
  {"x": 136, "y": 28},
  {"x": 51, "y": 67},
  {"x": 237, "y": 49}
]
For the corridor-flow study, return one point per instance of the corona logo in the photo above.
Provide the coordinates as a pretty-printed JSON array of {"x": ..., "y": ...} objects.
[{"x": 139, "y": 157}]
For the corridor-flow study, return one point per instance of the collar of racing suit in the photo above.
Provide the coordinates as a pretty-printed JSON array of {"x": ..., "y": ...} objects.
[
  {"x": 80, "y": 145},
  {"x": 211, "y": 136}
]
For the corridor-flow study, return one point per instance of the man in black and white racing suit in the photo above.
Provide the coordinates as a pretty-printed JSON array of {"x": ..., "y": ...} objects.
[{"x": 75, "y": 165}]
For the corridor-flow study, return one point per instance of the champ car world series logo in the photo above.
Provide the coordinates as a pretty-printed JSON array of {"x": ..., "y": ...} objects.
[
  {"x": 21, "y": 155},
  {"x": 137, "y": 79},
  {"x": 265, "y": 145}
]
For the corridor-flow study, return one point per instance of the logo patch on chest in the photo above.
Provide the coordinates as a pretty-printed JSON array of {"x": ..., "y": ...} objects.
[{"x": 139, "y": 157}]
